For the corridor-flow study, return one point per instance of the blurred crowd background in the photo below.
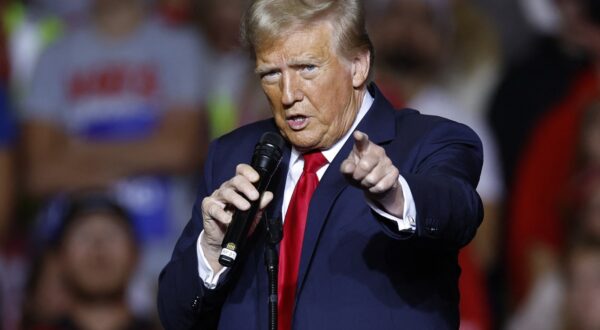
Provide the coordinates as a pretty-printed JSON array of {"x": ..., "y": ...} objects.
[{"x": 107, "y": 108}]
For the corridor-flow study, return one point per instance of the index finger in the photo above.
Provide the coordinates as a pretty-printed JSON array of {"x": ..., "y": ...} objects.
[
  {"x": 361, "y": 141},
  {"x": 248, "y": 172}
]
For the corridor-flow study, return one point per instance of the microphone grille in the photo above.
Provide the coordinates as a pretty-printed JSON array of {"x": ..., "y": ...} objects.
[{"x": 273, "y": 139}]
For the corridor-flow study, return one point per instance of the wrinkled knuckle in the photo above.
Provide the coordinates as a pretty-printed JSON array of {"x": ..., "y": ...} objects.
[
  {"x": 367, "y": 184},
  {"x": 364, "y": 164},
  {"x": 221, "y": 196},
  {"x": 370, "y": 180},
  {"x": 213, "y": 209},
  {"x": 205, "y": 203},
  {"x": 374, "y": 149},
  {"x": 227, "y": 219},
  {"x": 380, "y": 187},
  {"x": 219, "y": 193},
  {"x": 239, "y": 168},
  {"x": 345, "y": 162},
  {"x": 374, "y": 189},
  {"x": 236, "y": 181},
  {"x": 229, "y": 195},
  {"x": 344, "y": 166},
  {"x": 224, "y": 185}
]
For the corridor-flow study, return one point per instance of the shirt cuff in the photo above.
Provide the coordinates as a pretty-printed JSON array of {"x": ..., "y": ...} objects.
[
  {"x": 207, "y": 274},
  {"x": 407, "y": 223}
]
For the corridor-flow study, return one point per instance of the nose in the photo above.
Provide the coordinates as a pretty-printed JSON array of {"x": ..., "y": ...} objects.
[
  {"x": 99, "y": 241},
  {"x": 291, "y": 92}
]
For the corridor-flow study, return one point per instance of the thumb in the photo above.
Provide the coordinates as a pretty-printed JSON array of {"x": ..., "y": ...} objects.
[{"x": 267, "y": 197}]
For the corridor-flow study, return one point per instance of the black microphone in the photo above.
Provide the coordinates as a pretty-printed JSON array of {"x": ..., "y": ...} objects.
[{"x": 265, "y": 160}]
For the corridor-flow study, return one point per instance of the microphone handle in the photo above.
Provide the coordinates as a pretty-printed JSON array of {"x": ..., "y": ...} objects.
[{"x": 238, "y": 229}]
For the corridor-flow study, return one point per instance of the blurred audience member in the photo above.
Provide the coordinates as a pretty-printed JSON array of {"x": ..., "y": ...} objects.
[
  {"x": 473, "y": 67},
  {"x": 30, "y": 26},
  {"x": 11, "y": 263},
  {"x": 8, "y": 173},
  {"x": 551, "y": 156},
  {"x": 46, "y": 297},
  {"x": 234, "y": 98},
  {"x": 71, "y": 13},
  {"x": 414, "y": 41},
  {"x": 566, "y": 294},
  {"x": 569, "y": 189},
  {"x": 568, "y": 298},
  {"x": 537, "y": 81},
  {"x": 96, "y": 255},
  {"x": 117, "y": 104},
  {"x": 515, "y": 34},
  {"x": 583, "y": 285},
  {"x": 176, "y": 11}
]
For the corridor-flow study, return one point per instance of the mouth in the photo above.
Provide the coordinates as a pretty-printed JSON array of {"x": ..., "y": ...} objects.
[{"x": 297, "y": 122}]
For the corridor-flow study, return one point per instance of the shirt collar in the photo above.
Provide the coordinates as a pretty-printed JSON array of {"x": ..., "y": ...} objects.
[{"x": 333, "y": 151}]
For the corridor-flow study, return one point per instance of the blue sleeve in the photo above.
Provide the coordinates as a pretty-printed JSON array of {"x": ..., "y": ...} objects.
[{"x": 443, "y": 184}]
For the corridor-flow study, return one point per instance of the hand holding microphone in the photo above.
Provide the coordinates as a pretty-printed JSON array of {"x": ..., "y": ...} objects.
[{"x": 232, "y": 211}]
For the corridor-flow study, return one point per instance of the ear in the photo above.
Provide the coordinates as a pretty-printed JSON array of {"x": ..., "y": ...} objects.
[{"x": 360, "y": 68}]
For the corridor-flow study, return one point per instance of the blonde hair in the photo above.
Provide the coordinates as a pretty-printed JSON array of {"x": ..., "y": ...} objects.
[{"x": 268, "y": 20}]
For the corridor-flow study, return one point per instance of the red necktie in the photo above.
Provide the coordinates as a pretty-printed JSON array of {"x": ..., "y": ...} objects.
[{"x": 293, "y": 235}]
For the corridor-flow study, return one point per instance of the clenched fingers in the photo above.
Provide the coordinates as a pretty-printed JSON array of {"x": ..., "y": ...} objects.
[
  {"x": 368, "y": 166},
  {"x": 235, "y": 193}
]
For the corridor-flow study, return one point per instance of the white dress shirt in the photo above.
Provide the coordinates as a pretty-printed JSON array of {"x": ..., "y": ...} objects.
[{"x": 296, "y": 165}]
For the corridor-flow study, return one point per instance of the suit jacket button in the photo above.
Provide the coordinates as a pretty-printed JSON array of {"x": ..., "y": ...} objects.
[{"x": 196, "y": 304}]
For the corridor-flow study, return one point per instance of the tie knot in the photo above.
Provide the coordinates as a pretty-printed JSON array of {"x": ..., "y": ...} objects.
[{"x": 313, "y": 161}]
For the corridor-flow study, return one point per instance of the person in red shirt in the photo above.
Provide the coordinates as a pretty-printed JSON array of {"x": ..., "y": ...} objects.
[{"x": 551, "y": 157}]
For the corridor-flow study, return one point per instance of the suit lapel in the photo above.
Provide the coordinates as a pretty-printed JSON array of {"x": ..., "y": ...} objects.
[{"x": 379, "y": 125}]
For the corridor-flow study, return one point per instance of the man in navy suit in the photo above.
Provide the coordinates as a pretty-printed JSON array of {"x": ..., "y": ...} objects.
[{"x": 395, "y": 200}]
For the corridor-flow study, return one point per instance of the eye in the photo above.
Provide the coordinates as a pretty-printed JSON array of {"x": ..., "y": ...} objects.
[
  {"x": 269, "y": 76},
  {"x": 309, "y": 67}
]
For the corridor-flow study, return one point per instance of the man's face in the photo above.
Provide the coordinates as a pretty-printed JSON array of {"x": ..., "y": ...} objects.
[
  {"x": 578, "y": 28},
  {"x": 98, "y": 255},
  {"x": 222, "y": 23},
  {"x": 407, "y": 39},
  {"x": 314, "y": 93}
]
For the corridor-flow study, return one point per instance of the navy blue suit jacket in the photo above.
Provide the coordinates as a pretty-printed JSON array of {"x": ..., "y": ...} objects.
[{"x": 356, "y": 271}]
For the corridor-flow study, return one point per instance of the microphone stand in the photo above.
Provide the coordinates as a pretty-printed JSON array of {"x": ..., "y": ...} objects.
[{"x": 274, "y": 236}]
